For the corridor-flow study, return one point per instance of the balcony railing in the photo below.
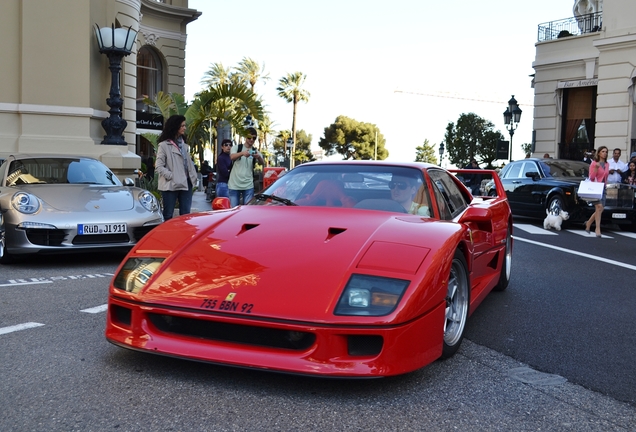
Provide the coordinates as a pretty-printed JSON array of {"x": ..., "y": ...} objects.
[{"x": 574, "y": 26}]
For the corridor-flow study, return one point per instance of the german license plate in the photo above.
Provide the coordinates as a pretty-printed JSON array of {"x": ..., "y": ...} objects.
[
  {"x": 619, "y": 216},
  {"x": 112, "y": 228}
]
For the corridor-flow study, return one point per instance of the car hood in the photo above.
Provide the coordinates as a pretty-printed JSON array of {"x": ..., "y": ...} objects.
[
  {"x": 290, "y": 262},
  {"x": 79, "y": 198}
]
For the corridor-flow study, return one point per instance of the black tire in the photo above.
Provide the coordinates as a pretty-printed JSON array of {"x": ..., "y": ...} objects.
[
  {"x": 5, "y": 258},
  {"x": 504, "y": 276},
  {"x": 457, "y": 304},
  {"x": 555, "y": 204}
]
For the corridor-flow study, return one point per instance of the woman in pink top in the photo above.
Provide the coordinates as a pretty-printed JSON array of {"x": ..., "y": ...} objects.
[{"x": 599, "y": 170}]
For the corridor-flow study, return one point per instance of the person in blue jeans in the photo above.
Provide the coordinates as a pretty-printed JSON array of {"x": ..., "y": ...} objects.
[
  {"x": 241, "y": 182},
  {"x": 223, "y": 166},
  {"x": 175, "y": 168}
]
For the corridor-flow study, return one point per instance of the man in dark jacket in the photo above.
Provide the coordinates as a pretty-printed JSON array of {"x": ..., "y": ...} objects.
[{"x": 223, "y": 167}]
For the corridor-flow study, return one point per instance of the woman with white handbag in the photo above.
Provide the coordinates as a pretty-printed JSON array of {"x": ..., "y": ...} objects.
[{"x": 599, "y": 170}]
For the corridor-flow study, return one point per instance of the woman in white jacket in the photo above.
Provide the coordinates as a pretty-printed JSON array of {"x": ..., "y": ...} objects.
[{"x": 175, "y": 168}]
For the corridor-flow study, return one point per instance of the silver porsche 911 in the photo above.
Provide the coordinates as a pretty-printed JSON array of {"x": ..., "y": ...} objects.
[{"x": 53, "y": 203}]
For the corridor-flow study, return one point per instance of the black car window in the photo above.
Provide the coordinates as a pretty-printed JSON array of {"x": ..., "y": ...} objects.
[
  {"x": 513, "y": 171},
  {"x": 528, "y": 167}
]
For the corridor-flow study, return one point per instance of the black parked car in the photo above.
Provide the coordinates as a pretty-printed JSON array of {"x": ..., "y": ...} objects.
[{"x": 536, "y": 185}]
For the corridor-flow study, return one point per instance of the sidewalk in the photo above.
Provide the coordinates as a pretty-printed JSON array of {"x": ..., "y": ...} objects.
[{"x": 199, "y": 203}]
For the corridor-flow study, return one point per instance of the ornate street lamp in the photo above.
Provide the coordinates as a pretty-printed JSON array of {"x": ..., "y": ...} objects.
[
  {"x": 441, "y": 153},
  {"x": 512, "y": 116},
  {"x": 116, "y": 43}
]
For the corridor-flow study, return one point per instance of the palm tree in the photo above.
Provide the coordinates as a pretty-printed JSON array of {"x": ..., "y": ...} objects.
[
  {"x": 250, "y": 71},
  {"x": 228, "y": 102},
  {"x": 290, "y": 89},
  {"x": 216, "y": 75}
]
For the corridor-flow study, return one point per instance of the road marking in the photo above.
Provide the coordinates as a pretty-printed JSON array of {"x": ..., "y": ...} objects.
[
  {"x": 96, "y": 309},
  {"x": 533, "y": 229},
  {"x": 627, "y": 234},
  {"x": 16, "y": 283},
  {"x": 11, "y": 329},
  {"x": 592, "y": 234},
  {"x": 581, "y": 254}
]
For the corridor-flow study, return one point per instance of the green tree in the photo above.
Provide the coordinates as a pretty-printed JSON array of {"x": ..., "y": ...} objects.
[
  {"x": 216, "y": 75},
  {"x": 527, "y": 149},
  {"x": 353, "y": 140},
  {"x": 471, "y": 137},
  {"x": 251, "y": 72},
  {"x": 425, "y": 153},
  {"x": 291, "y": 89}
]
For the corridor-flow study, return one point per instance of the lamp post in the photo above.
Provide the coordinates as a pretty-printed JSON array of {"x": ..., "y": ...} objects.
[
  {"x": 441, "y": 153},
  {"x": 116, "y": 43},
  {"x": 512, "y": 116},
  {"x": 290, "y": 145}
]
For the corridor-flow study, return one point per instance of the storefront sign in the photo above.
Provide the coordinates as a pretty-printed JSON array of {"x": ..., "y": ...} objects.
[
  {"x": 146, "y": 120},
  {"x": 578, "y": 83}
]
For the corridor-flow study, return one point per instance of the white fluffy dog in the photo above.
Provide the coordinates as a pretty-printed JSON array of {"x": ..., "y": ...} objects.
[{"x": 555, "y": 221}]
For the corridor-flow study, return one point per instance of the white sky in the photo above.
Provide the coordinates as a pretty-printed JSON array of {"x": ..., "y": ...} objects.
[{"x": 357, "y": 53}]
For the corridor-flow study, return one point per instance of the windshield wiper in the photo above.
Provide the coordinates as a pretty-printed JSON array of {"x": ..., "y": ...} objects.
[{"x": 263, "y": 197}]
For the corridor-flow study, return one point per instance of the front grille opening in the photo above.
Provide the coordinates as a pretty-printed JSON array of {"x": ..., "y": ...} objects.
[
  {"x": 120, "y": 315},
  {"x": 364, "y": 345},
  {"x": 45, "y": 237},
  {"x": 101, "y": 239},
  {"x": 237, "y": 333}
]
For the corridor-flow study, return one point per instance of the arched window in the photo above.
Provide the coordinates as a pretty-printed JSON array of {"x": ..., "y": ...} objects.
[{"x": 149, "y": 77}]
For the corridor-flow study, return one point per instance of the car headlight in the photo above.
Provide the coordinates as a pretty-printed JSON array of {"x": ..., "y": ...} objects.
[
  {"x": 370, "y": 295},
  {"x": 149, "y": 201},
  {"x": 135, "y": 273},
  {"x": 25, "y": 203}
]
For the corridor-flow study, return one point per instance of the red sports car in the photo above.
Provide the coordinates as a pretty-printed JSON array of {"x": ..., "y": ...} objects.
[{"x": 344, "y": 269}]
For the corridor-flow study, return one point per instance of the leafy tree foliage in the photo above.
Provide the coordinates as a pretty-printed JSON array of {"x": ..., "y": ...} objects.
[
  {"x": 471, "y": 137},
  {"x": 527, "y": 148},
  {"x": 353, "y": 140},
  {"x": 426, "y": 153},
  {"x": 303, "y": 146},
  {"x": 251, "y": 72}
]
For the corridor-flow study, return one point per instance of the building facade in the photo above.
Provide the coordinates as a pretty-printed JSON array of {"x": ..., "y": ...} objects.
[
  {"x": 55, "y": 82},
  {"x": 585, "y": 69}
]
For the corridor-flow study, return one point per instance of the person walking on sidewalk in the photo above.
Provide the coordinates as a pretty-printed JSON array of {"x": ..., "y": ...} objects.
[
  {"x": 175, "y": 168},
  {"x": 241, "y": 182},
  {"x": 223, "y": 167}
]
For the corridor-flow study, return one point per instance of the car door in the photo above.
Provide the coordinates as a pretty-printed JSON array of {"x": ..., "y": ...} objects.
[
  {"x": 527, "y": 189},
  {"x": 511, "y": 180}
]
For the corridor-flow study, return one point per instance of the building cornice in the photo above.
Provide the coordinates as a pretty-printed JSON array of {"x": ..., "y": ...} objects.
[
  {"x": 616, "y": 42},
  {"x": 167, "y": 11},
  {"x": 15, "y": 108}
]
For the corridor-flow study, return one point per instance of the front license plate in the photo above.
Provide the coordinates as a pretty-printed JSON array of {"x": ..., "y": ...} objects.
[
  {"x": 619, "y": 216},
  {"x": 89, "y": 229}
]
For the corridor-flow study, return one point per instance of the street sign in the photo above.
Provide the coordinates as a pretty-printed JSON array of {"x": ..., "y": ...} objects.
[{"x": 502, "y": 149}]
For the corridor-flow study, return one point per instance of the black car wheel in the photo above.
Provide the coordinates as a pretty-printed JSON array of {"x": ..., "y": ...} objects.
[
  {"x": 555, "y": 204},
  {"x": 457, "y": 302},
  {"x": 504, "y": 276}
]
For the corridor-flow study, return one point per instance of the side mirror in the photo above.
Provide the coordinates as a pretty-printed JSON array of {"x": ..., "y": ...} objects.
[
  {"x": 533, "y": 175},
  {"x": 128, "y": 182},
  {"x": 221, "y": 203}
]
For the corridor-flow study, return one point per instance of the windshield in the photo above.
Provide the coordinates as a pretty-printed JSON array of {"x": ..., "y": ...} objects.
[
  {"x": 565, "y": 168},
  {"x": 377, "y": 187},
  {"x": 53, "y": 170}
]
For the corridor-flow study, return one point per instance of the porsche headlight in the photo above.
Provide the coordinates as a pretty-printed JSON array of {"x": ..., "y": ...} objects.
[
  {"x": 370, "y": 295},
  {"x": 149, "y": 201},
  {"x": 135, "y": 273},
  {"x": 25, "y": 203}
]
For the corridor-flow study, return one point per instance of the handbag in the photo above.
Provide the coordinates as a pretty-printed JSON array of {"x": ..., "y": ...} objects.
[{"x": 591, "y": 190}]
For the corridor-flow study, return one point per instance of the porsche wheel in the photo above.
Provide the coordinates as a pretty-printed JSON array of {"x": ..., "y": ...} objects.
[
  {"x": 504, "y": 276},
  {"x": 4, "y": 256},
  {"x": 457, "y": 302}
]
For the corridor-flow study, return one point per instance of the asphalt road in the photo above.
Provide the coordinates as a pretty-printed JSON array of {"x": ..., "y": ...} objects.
[{"x": 553, "y": 352}]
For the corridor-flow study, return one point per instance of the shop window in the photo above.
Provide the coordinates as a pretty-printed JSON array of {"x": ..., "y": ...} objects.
[
  {"x": 578, "y": 122},
  {"x": 149, "y": 77}
]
